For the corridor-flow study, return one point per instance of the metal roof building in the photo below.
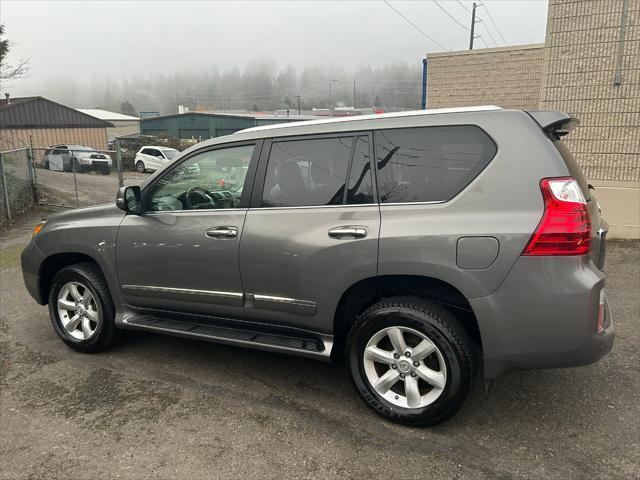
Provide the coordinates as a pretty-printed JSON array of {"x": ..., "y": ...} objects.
[
  {"x": 122, "y": 124},
  {"x": 45, "y": 122},
  {"x": 205, "y": 125}
]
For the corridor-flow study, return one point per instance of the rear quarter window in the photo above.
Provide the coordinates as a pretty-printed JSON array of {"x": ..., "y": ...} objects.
[{"x": 429, "y": 164}]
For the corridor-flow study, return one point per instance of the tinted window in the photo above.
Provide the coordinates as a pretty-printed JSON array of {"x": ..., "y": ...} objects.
[
  {"x": 208, "y": 180},
  {"x": 307, "y": 172},
  {"x": 360, "y": 186},
  {"x": 429, "y": 164}
]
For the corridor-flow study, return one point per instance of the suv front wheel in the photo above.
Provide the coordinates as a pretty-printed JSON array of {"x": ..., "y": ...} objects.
[
  {"x": 411, "y": 360},
  {"x": 81, "y": 308}
]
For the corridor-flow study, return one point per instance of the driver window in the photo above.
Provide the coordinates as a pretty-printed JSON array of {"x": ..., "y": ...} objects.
[{"x": 209, "y": 180}]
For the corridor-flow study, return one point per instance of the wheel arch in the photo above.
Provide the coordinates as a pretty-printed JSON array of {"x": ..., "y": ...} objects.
[
  {"x": 368, "y": 291},
  {"x": 56, "y": 262}
]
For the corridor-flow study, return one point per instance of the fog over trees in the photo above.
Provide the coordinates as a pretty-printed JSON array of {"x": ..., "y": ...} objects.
[{"x": 258, "y": 87}]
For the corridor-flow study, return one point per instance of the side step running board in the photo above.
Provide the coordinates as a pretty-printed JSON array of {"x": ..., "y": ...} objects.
[{"x": 296, "y": 343}]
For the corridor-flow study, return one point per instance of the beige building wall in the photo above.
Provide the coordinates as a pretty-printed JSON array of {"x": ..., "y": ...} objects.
[
  {"x": 45, "y": 137},
  {"x": 122, "y": 127},
  {"x": 584, "y": 50},
  {"x": 507, "y": 77}
]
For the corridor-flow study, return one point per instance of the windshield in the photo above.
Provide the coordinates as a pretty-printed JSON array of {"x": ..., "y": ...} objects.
[
  {"x": 170, "y": 153},
  {"x": 80, "y": 147}
]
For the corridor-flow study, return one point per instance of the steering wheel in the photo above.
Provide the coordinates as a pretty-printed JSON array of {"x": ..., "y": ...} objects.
[{"x": 203, "y": 195}]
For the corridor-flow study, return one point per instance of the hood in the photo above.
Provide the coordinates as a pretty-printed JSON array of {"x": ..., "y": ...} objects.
[{"x": 86, "y": 213}]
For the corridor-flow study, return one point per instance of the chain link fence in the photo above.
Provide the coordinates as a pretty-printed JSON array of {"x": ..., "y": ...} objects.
[
  {"x": 17, "y": 184},
  {"x": 68, "y": 175},
  {"x": 74, "y": 176}
]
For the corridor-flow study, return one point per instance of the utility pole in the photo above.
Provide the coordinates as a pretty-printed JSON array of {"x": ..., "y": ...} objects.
[
  {"x": 424, "y": 84},
  {"x": 177, "y": 104},
  {"x": 473, "y": 25},
  {"x": 298, "y": 97},
  {"x": 354, "y": 93},
  {"x": 331, "y": 98}
]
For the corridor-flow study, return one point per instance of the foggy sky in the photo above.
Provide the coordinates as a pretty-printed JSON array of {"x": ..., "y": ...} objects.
[{"x": 88, "y": 40}]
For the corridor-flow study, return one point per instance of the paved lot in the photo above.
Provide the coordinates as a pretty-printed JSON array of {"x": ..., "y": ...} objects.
[{"x": 162, "y": 407}]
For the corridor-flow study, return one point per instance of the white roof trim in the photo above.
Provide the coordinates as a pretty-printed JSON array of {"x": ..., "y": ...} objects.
[
  {"x": 106, "y": 115},
  {"x": 375, "y": 116}
]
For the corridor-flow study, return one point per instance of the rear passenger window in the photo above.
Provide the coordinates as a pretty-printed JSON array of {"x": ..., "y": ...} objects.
[
  {"x": 313, "y": 172},
  {"x": 429, "y": 164}
]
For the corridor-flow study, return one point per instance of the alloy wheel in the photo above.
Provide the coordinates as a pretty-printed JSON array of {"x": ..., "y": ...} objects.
[
  {"x": 78, "y": 311},
  {"x": 405, "y": 367}
]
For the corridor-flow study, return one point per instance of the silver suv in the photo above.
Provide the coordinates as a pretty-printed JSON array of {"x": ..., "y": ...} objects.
[{"x": 416, "y": 247}]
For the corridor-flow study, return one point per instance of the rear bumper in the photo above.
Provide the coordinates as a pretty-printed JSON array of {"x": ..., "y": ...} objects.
[{"x": 544, "y": 315}]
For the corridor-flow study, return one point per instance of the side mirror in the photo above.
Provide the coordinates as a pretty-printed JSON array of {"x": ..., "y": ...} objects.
[{"x": 128, "y": 199}]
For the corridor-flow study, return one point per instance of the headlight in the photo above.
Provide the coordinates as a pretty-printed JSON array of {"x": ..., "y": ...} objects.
[{"x": 39, "y": 226}]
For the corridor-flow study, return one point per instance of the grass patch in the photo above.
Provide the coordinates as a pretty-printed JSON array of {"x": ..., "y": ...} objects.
[{"x": 10, "y": 256}]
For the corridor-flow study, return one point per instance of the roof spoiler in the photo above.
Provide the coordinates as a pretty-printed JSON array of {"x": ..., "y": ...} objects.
[{"x": 554, "y": 123}]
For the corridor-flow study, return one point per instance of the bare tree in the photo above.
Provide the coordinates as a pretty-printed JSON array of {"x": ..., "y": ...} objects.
[{"x": 8, "y": 71}]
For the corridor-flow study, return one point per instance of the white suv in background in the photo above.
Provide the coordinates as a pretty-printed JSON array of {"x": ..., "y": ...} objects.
[{"x": 152, "y": 158}]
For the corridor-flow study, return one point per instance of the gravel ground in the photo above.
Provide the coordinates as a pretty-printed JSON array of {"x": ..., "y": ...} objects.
[{"x": 162, "y": 407}]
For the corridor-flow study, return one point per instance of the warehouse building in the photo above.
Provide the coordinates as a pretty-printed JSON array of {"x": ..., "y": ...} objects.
[
  {"x": 123, "y": 125},
  {"x": 44, "y": 122},
  {"x": 589, "y": 67},
  {"x": 204, "y": 125}
]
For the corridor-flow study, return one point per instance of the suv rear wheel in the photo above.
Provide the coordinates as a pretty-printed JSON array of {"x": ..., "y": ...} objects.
[
  {"x": 81, "y": 308},
  {"x": 140, "y": 166},
  {"x": 411, "y": 360}
]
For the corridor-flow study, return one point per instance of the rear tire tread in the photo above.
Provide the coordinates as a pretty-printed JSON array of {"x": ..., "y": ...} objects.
[{"x": 455, "y": 333}]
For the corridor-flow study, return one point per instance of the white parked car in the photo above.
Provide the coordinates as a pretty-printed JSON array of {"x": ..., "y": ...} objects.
[{"x": 151, "y": 158}]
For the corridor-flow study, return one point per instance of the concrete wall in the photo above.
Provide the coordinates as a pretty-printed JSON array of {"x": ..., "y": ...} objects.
[
  {"x": 507, "y": 77},
  {"x": 581, "y": 55},
  {"x": 573, "y": 71},
  {"x": 45, "y": 137}
]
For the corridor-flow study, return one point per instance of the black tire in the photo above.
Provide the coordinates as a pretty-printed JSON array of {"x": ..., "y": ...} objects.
[
  {"x": 140, "y": 166},
  {"x": 47, "y": 166},
  {"x": 443, "y": 329},
  {"x": 89, "y": 275}
]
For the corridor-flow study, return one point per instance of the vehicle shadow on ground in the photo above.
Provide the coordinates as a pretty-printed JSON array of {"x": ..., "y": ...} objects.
[{"x": 546, "y": 400}]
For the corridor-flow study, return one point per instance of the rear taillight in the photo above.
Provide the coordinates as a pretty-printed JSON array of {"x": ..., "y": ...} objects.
[{"x": 565, "y": 228}]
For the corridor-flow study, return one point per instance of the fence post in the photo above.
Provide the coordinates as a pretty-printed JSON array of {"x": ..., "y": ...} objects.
[
  {"x": 32, "y": 169},
  {"x": 119, "y": 162},
  {"x": 75, "y": 181},
  {"x": 4, "y": 189}
]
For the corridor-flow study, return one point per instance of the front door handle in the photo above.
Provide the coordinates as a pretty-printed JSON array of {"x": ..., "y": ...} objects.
[
  {"x": 348, "y": 232},
  {"x": 222, "y": 232}
]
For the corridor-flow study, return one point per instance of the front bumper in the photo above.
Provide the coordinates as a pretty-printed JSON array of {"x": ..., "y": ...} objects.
[
  {"x": 31, "y": 259},
  {"x": 544, "y": 315}
]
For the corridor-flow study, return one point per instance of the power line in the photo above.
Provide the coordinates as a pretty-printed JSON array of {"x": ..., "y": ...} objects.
[
  {"x": 494, "y": 23},
  {"x": 462, "y": 5},
  {"x": 489, "y": 32},
  {"x": 450, "y": 16},
  {"x": 414, "y": 25}
]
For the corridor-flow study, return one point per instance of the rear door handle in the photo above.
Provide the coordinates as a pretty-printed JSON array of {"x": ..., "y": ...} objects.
[
  {"x": 348, "y": 232},
  {"x": 222, "y": 232}
]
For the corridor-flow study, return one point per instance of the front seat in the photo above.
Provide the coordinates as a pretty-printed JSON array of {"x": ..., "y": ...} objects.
[{"x": 290, "y": 184}]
